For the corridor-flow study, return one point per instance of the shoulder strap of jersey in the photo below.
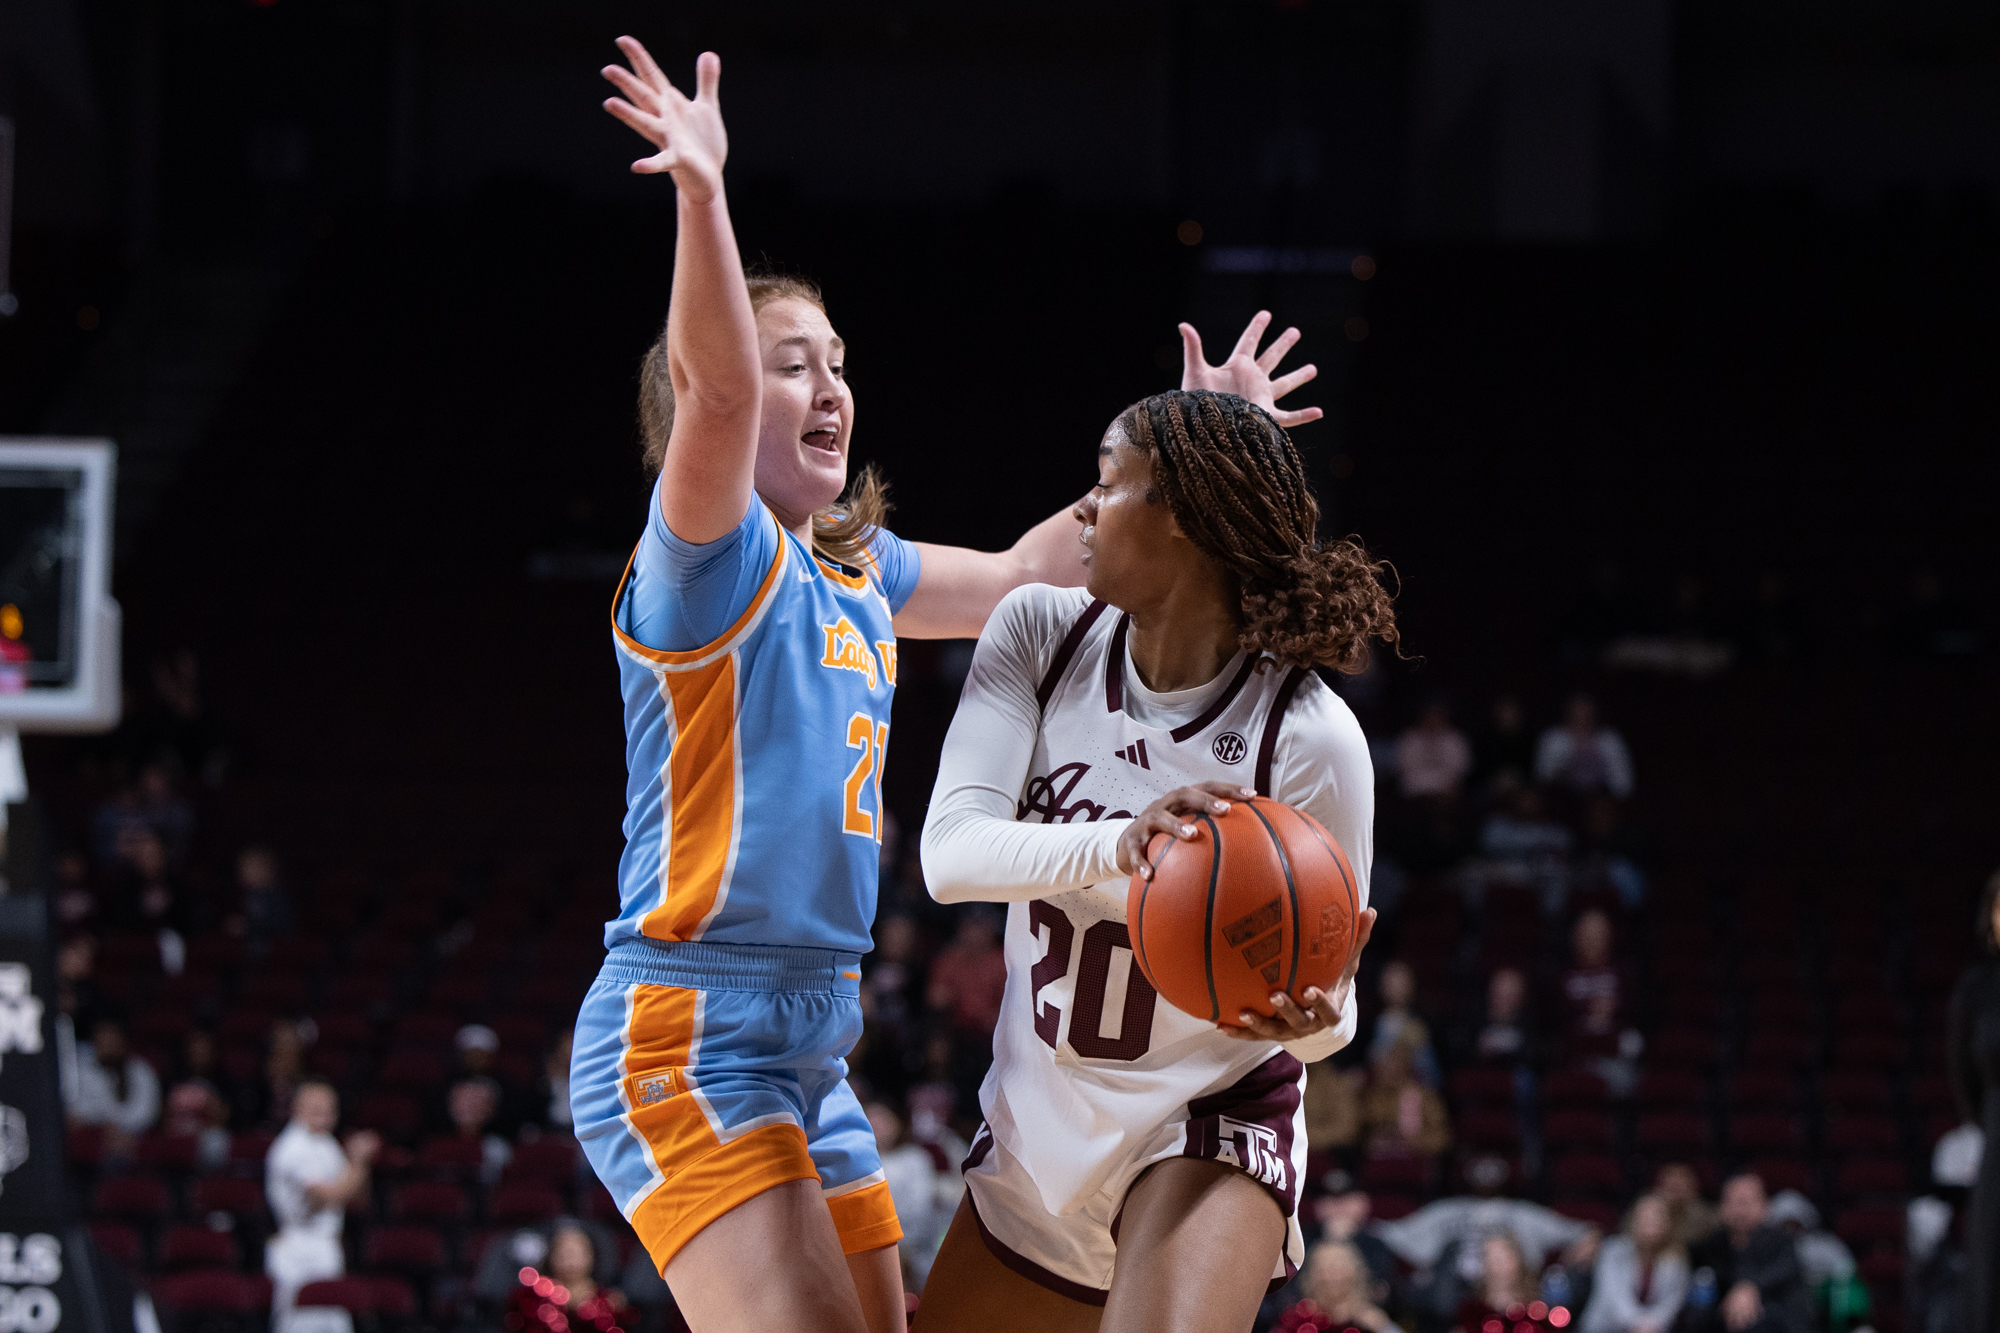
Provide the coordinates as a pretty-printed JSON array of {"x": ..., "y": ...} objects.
[
  {"x": 1067, "y": 650},
  {"x": 1274, "y": 722}
]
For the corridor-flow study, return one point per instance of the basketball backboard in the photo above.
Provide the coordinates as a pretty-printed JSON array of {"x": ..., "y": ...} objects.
[{"x": 59, "y": 628}]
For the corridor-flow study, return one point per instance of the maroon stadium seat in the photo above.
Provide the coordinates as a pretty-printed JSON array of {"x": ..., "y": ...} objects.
[
  {"x": 118, "y": 1241},
  {"x": 1883, "y": 1176},
  {"x": 526, "y": 1031},
  {"x": 1577, "y": 1129},
  {"x": 1398, "y": 1174},
  {"x": 214, "y": 952},
  {"x": 250, "y": 1148},
  {"x": 1883, "y": 1268},
  {"x": 1869, "y": 1051},
  {"x": 282, "y": 990},
  {"x": 512, "y": 1204},
  {"x": 197, "y": 1247},
  {"x": 1390, "y": 1207},
  {"x": 1483, "y": 1085},
  {"x": 392, "y": 1113},
  {"x": 1855, "y": 1090},
  {"x": 1479, "y": 1128},
  {"x": 393, "y": 1297},
  {"x": 213, "y": 1291},
  {"x": 1860, "y": 1134},
  {"x": 418, "y": 1251},
  {"x": 1763, "y": 1133},
  {"x": 551, "y": 1161},
  {"x": 430, "y": 1201},
  {"x": 1605, "y": 1216},
  {"x": 1573, "y": 1089},
  {"x": 381, "y": 952},
  {"x": 235, "y": 1195},
  {"x": 1686, "y": 1047},
  {"x": 1669, "y": 1132},
  {"x": 1777, "y": 1047},
  {"x": 356, "y": 1295},
  {"x": 598, "y": 1205},
  {"x": 142, "y": 1199},
  {"x": 344, "y": 1028},
  {"x": 161, "y": 1025},
  {"x": 1763, "y": 1090},
  {"x": 461, "y": 991},
  {"x": 304, "y": 953},
  {"x": 450, "y": 1155},
  {"x": 83, "y": 1145},
  {"x": 1863, "y": 1228},
  {"x": 426, "y": 1028},
  {"x": 1670, "y": 1089},
  {"x": 1587, "y": 1173},
  {"x": 411, "y": 1070},
  {"x": 166, "y": 1152},
  {"x": 359, "y": 992},
  {"x": 1784, "y": 1173}
]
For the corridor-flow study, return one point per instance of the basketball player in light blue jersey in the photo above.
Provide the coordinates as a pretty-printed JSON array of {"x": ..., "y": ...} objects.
[{"x": 756, "y": 629}]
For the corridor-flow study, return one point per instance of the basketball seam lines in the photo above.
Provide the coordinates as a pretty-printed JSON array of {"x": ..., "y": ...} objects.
[
  {"x": 1208, "y": 935},
  {"x": 1353, "y": 894},
  {"x": 1291, "y": 888}
]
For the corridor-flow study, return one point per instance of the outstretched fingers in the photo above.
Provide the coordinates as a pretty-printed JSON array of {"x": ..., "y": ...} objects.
[
  {"x": 643, "y": 63},
  {"x": 1284, "y": 384},
  {"x": 1298, "y": 418},
  {"x": 636, "y": 90},
  {"x": 708, "y": 77},
  {"x": 1191, "y": 360},
  {"x": 1275, "y": 353},
  {"x": 1246, "y": 346}
]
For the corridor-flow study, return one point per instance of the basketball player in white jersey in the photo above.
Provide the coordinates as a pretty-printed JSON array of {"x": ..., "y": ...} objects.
[{"x": 1139, "y": 1167}]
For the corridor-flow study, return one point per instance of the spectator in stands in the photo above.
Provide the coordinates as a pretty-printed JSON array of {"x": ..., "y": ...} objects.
[
  {"x": 1824, "y": 1259},
  {"x": 1520, "y": 845},
  {"x": 1692, "y": 1217},
  {"x": 309, "y": 1180},
  {"x": 1593, "y": 990},
  {"x": 1506, "y": 1292},
  {"x": 113, "y": 1088},
  {"x": 1582, "y": 755},
  {"x": 74, "y": 901},
  {"x": 165, "y": 811},
  {"x": 969, "y": 977},
  {"x": 196, "y": 1109},
  {"x": 1506, "y": 748},
  {"x": 284, "y": 1071},
  {"x": 264, "y": 915},
  {"x": 1507, "y": 1036},
  {"x": 1641, "y": 1276},
  {"x": 473, "y": 1104},
  {"x": 1343, "y": 1216},
  {"x": 1332, "y": 1107},
  {"x": 1400, "y": 1117},
  {"x": 567, "y": 1299},
  {"x": 1756, "y": 1267},
  {"x": 1398, "y": 1020},
  {"x": 1334, "y": 1292},
  {"x": 1433, "y": 757},
  {"x": 1607, "y": 856},
  {"x": 150, "y": 899},
  {"x": 76, "y": 981}
]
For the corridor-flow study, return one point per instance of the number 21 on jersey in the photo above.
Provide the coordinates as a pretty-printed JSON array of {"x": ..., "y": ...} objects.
[
  {"x": 1098, "y": 965},
  {"x": 870, "y": 737}
]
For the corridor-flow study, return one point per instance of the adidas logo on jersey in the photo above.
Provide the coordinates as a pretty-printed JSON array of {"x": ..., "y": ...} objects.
[{"x": 1135, "y": 753}]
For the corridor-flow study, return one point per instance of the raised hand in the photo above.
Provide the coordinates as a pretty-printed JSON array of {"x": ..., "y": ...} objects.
[
  {"x": 1248, "y": 375},
  {"x": 687, "y": 131}
]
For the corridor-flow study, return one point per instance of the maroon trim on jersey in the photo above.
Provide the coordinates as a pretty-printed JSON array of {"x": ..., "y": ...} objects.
[
  {"x": 1114, "y": 668},
  {"x": 1266, "y": 1098},
  {"x": 982, "y": 1144},
  {"x": 1031, "y": 1270},
  {"x": 1071, "y": 642},
  {"x": 1188, "y": 731},
  {"x": 1274, "y": 721}
]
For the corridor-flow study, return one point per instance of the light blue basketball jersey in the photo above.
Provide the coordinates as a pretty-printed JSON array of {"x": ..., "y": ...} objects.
[{"x": 753, "y": 795}]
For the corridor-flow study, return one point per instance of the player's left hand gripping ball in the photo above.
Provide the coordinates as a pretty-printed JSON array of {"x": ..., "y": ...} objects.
[{"x": 1314, "y": 1011}]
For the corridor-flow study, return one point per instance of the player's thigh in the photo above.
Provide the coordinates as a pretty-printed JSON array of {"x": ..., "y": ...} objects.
[
  {"x": 1197, "y": 1245},
  {"x": 970, "y": 1291},
  {"x": 772, "y": 1261}
]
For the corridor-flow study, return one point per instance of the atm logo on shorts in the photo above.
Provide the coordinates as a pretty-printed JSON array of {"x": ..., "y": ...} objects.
[
  {"x": 1252, "y": 1149},
  {"x": 846, "y": 650}
]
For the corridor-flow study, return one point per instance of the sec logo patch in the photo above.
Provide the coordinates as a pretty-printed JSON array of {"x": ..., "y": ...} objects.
[{"x": 1230, "y": 748}]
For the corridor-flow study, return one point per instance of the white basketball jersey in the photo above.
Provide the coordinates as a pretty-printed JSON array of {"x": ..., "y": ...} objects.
[{"x": 1086, "y": 1054}]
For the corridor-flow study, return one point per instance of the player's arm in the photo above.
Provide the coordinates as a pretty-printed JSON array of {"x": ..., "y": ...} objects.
[
  {"x": 712, "y": 354},
  {"x": 958, "y": 588},
  {"x": 973, "y": 848}
]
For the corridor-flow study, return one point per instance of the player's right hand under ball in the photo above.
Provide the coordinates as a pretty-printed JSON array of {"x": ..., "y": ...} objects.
[
  {"x": 1170, "y": 815},
  {"x": 1315, "y": 1010}
]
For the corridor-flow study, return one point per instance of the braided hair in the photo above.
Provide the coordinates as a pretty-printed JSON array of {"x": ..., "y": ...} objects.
[{"x": 1238, "y": 489}]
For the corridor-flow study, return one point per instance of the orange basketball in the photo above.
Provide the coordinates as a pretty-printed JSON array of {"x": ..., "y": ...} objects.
[{"x": 1261, "y": 900}]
